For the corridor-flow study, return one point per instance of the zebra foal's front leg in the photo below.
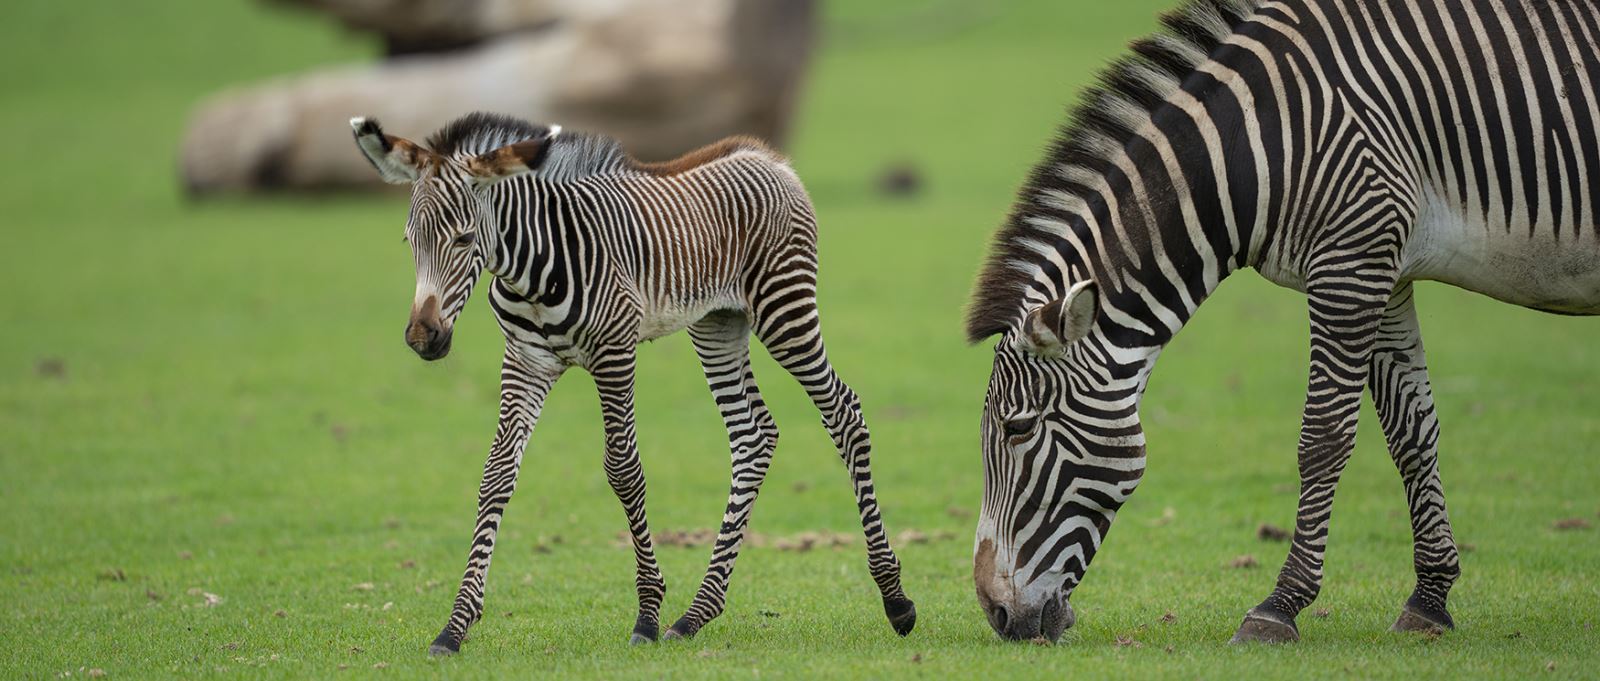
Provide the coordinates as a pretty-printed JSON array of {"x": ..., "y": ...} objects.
[
  {"x": 613, "y": 372},
  {"x": 1404, "y": 399},
  {"x": 525, "y": 380},
  {"x": 1345, "y": 310},
  {"x": 722, "y": 340}
]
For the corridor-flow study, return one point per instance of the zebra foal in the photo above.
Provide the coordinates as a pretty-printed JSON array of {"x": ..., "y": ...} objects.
[
  {"x": 1341, "y": 148},
  {"x": 593, "y": 253}
]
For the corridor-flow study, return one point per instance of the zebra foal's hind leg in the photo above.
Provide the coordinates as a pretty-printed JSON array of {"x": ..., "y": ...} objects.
[
  {"x": 722, "y": 340},
  {"x": 792, "y": 333},
  {"x": 1398, "y": 380},
  {"x": 613, "y": 372}
]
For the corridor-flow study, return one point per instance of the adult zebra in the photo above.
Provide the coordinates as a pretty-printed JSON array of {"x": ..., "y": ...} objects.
[
  {"x": 1342, "y": 148},
  {"x": 593, "y": 253}
]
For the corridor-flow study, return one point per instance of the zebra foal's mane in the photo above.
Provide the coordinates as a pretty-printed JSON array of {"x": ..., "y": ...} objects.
[
  {"x": 1125, "y": 94},
  {"x": 576, "y": 154}
]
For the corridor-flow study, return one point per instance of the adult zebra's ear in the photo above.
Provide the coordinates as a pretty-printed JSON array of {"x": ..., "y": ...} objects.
[
  {"x": 1050, "y": 328},
  {"x": 515, "y": 159},
  {"x": 398, "y": 160}
]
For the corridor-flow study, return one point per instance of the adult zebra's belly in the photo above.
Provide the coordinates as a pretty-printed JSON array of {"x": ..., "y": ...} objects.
[{"x": 1528, "y": 265}]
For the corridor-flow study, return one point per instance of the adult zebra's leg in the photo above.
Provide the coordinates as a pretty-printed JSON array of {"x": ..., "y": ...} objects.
[
  {"x": 793, "y": 335},
  {"x": 525, "y": 380},
  {"x": 1345, "y": 311},
  {"x": 722, "y": 340},
  {"x": 1400, "y": 390},
  {"x": 613, "y": 372}
]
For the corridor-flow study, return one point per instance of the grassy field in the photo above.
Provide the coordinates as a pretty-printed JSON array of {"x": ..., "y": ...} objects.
[{"x": 212, "y": 402}]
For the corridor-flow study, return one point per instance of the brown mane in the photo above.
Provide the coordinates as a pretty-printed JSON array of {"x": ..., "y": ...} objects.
[{"x": 720, "y": 149}]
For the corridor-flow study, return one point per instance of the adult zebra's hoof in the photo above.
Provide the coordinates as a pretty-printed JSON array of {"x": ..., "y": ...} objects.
[
  {"x": 643, "y": 632},
  {"x": 1265, "y": 627},
  {"x": 1415, "y": 618},
  {"x": 444, "y": 644},
  {"x": 682, "y": 629},
  {"x": 902, "y": 614}
]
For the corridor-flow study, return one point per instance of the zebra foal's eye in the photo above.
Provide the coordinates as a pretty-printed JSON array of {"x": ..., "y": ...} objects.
[
  {"x": 466, "y": 238},
  {"x": 1021, "y": 425}
]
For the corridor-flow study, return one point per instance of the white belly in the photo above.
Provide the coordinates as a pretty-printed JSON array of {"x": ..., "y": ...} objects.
[
  {"x": 666, "y": 318},
  {"x": 1505, "y": 262}
]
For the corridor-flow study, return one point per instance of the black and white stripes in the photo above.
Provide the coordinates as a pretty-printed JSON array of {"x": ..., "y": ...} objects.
[
  {"x": 1343, "y": 148},
  {"x": 593, "y": 253}
]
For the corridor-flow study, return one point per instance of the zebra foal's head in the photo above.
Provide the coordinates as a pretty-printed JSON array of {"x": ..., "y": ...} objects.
[
  {"x": 1062, "y": 450},
  {"x": 451, "y": 227}
]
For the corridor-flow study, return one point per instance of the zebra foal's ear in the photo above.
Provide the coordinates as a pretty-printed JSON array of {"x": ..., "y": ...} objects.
[
  {"x": 512, "y": 160},
  {"x": 1050, "y": 328},
  {"x": 398, "y": 160}
]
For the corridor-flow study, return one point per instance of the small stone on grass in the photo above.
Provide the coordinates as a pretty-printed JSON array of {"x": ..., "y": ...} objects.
[{"x": 1270, "y": 532}]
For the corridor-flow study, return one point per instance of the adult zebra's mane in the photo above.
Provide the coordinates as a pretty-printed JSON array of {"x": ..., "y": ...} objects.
[
  {"x": 574, "y": 154},
  {"x": 1126, "y": 92}
]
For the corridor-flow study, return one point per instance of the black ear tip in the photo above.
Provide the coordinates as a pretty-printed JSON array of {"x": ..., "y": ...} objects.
[{"x": 365, "y": 126}]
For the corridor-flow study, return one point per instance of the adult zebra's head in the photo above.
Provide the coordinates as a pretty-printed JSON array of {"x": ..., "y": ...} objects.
[
  {"x": 1062, "y": 450},
  {"x": 451, "y": 228}
]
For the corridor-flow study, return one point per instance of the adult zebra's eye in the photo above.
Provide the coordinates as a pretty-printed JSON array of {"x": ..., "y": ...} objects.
[
  {"x": 1021, "y": 425},
  {"x": 466, "y": 238}
]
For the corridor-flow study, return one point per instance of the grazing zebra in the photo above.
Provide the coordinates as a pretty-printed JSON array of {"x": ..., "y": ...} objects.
[
  {"x": 1342, "y": 148},
  {"x": 593, "y": 253}
]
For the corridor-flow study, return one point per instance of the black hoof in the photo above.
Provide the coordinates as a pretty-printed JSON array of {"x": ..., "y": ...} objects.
[
  {"x": 643, "y": 632},
  {"x": 682, "y": 629},
  {"x": 1415, "y": 618},
  {"x": 902, "y": 614},
  {"x": 1266, "y": 626},
  {"x": 444, "y": 644}
]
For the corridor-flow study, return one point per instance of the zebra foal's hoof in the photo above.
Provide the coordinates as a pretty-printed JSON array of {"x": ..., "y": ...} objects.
[
  {"x": 1413, "y": 618},
  {"x": 902, "y": 614},
  {"x": 1260, "y": 627},
  {"x": 444, "y": 644}
]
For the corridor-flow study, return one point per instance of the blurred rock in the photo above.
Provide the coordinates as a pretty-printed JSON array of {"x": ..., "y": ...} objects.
[
  {"x": 899, "y": 179},
  {"x": 663, "y": 76}
]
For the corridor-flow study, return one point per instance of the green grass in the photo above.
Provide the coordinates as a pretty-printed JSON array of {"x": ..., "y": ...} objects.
[{"x": 238, "y": 415}]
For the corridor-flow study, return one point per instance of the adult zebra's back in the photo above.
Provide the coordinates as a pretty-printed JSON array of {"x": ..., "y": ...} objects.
[
  {"x": 593, "y": 253},
  {"x": 1342, "y": 148}
]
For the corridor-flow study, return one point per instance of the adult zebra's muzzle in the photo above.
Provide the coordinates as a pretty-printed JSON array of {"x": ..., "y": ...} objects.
[
  {"x": 1018, "y": 614},
  {"x": 426, "y": 333},
  {"x": 1016, "y": 622}
]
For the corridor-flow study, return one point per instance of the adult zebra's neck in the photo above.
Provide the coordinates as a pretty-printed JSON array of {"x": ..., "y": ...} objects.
[{"x": 1152, "y": 192}]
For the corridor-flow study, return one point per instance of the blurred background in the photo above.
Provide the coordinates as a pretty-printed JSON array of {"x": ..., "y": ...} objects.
[{"x": 216, "y": 452}]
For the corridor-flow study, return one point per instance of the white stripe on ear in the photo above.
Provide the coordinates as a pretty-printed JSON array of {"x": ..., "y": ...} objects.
[{"x": 554, "y": 130}]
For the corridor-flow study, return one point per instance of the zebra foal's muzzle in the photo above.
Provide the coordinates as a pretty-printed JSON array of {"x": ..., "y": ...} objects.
[{"x": 426, "y": 333}]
